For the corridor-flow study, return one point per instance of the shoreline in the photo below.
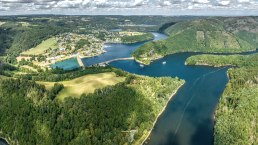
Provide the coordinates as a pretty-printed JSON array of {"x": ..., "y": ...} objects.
[
  {"x": 5, "y": 140},
  {"x": 199, "y": 53},
  {"x": 104, "y": 51},
  {"x": 161, "y": 112},
  {"x": 210, "y": 65}
]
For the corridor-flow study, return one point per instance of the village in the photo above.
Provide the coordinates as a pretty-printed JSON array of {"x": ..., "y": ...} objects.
[
  {"x": 61, "y": 47},
  {"x": 72, "y": 45}
]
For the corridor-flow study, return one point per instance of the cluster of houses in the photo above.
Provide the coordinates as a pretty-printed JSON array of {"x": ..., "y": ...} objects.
[
  {"x": 77, "y": 45},
  {"x": 68, "y": 44},
  {"x": 67, "y": 47}
]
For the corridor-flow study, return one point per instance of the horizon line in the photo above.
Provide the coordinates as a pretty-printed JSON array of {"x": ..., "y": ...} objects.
[{"x": 183, "y": 15}]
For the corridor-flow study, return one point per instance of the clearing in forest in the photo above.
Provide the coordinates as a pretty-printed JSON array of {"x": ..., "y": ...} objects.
[
  {"x": 85, "y": 84},
  {"x": 45, "y": 45}
]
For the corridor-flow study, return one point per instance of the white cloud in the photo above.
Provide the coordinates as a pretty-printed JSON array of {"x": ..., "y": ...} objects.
[
  {"x": 243, "y": 1},
  {"x": 224, "y": 3},
  {"x": 167, "y": 3},
  {"x": 190, "y": 7},
  {"x": 128, "y": 6},
  {"x": 202, "y": 1}
]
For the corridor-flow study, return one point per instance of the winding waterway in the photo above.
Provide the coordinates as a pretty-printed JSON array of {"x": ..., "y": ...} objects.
[{"x": 189, "y": 116}]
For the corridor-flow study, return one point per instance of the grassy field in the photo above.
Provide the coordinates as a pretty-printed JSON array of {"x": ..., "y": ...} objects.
[
  {"x": 85, "y": 84},
  {"x": 42, "y": 47}
]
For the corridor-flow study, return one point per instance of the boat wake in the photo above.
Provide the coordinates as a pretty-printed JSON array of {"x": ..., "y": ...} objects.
[{"x": 190, "y": 100}]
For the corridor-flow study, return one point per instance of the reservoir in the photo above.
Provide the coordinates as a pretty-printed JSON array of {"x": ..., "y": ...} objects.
[
  {"x": 189, "y": 116},
  {"x": 114, "y": 51},
  {"x": 68, "y": 64}
]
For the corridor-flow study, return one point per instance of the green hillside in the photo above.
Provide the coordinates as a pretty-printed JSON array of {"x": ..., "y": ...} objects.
[
  {"x": 137, "y": 38},
  {"x": 206, "y": 35}
]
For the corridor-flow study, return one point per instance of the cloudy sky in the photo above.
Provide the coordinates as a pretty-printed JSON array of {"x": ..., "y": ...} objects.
[{"x": 130, "y": 7}]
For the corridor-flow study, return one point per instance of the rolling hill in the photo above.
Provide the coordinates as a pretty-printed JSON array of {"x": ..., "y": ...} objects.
[{"x": 213, "y": 35}]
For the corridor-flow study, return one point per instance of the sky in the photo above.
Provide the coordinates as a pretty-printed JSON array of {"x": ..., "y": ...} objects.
[{"x": 130, "y": 7}]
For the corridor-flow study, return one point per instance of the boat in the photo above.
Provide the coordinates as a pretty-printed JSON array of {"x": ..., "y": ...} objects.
[
  {"x": 164, "y": 62},
  {"x": 141, "y": 65}
]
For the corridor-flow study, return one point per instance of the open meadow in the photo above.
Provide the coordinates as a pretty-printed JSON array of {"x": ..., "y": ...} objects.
[
  {"x": 42, "y": 47},
  {"x": 85, "y": 84}
]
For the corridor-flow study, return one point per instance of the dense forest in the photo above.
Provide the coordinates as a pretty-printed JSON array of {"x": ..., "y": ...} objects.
[
  {"x": 16, "y": 38},
  {"x": 213, "y": 35},
  {"x": 236, "y": 115},
  {"x": 224, "y": 60},
  {"x": 137, "y": 38},
  {"x": 108, "y": 116}
]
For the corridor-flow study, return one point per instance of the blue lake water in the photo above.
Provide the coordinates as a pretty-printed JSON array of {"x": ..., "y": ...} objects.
[
  {"x": 189, "y": 116},
  {"x": 68, "y": 64},
  {"x": 115, "y": 51}
]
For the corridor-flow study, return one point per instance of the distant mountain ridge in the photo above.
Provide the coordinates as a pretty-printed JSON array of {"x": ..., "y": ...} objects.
[{"x": 214, "y": 35}]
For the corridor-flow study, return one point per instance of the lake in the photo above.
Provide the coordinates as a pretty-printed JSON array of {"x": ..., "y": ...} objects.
[
  {"x": 189, "y": 116},
  {"x": 113, "y": 51},
  {"x": 68, "y": 64}
]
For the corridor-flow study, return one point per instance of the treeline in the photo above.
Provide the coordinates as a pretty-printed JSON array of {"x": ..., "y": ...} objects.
[
  {"x": 224, "y": 60},
  {"x": 29, "y": 116},
  {"x": 137, "y": 38},
  {"x": 56, "y": 75}
]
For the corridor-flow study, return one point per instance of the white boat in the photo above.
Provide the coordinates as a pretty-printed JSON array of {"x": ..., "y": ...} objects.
[
  {"x": 164, "y": 62},
  {"x": 141, "y": 65}
]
